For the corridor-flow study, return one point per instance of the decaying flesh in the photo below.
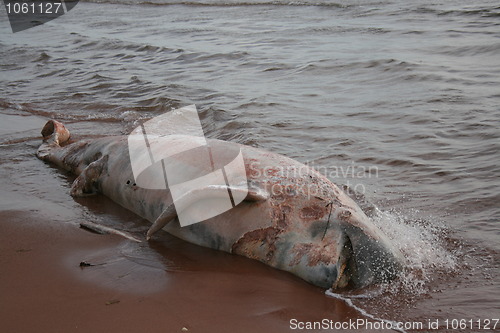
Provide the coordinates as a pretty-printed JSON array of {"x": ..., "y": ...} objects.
[{"x": 293, "y": 218}]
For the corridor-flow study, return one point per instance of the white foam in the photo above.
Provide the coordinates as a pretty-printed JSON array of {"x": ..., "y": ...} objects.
[
  {"x": 422, "y": 245},
  {"x": 390, "y": 323}
]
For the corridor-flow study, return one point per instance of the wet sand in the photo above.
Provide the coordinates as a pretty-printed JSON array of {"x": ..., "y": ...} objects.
[{"x": 45, "y": 289}]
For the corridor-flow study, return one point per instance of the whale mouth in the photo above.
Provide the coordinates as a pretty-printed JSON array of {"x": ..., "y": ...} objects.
[
  {"x": 365, "y": 260},
  {"x": 346, "y": 266}
]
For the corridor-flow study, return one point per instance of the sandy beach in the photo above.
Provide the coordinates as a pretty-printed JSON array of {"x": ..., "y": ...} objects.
[{"x": 44, "y": 289}]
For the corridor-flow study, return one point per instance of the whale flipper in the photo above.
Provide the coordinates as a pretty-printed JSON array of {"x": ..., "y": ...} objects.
[
  {"x": 256, "y": 194},
  {"x": 87, "y": 182},
  {"x": 191, "y": 197},
  {"x": 165, "y": 217}
]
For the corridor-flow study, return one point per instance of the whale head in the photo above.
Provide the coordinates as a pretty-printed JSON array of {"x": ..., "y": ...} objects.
[{"x": 322, "y": 235}]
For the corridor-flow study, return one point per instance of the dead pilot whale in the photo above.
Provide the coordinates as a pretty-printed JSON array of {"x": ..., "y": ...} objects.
[{"x": 292, "y": 217}]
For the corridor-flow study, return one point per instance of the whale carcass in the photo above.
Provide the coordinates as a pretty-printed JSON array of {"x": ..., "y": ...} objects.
[{"x": 290, "y": 216}]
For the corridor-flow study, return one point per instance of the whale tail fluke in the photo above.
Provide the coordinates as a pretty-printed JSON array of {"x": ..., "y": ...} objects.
[
  {"x": 55, "y": 131},
  {"x": 54, "y": 134}
]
